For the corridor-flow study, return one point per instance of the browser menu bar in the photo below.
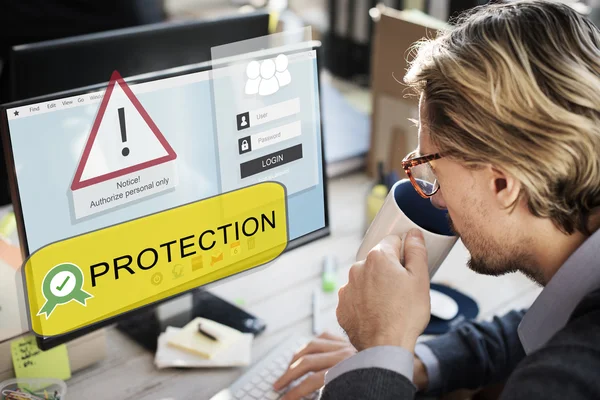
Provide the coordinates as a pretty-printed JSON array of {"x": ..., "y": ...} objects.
[{"x": 96, "y": 97}]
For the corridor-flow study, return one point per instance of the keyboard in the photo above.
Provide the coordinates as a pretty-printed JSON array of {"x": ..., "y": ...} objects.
[{"x": 257, "y": 382}]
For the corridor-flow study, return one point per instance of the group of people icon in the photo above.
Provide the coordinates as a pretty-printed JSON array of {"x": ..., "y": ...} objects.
[{"x": 266, "y": 77}]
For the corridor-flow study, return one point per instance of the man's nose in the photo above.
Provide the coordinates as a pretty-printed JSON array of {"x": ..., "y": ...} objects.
[{"x": 438, "y": 200}]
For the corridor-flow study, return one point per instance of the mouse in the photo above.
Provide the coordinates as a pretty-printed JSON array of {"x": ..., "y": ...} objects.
[{"x": 443, "y": 306}]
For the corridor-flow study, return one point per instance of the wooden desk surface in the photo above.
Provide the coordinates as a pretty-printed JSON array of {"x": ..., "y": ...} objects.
[{"x": 281, "y": 294}]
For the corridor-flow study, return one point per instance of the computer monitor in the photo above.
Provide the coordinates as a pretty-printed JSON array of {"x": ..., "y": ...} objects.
[
  {"x": 44, "y": 140},
  {"x": 54, "y": 66},
  {"x": 59, "y": 65}
]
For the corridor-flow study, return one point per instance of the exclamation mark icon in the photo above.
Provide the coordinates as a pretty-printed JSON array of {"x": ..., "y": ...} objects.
[{"x": 125, "y": 150}]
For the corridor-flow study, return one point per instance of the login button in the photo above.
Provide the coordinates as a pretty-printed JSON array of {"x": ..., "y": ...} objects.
[{"x": 270, "y": 161}]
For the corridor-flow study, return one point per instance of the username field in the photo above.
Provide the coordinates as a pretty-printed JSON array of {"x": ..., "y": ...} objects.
[{"x": 274, "y": 112}]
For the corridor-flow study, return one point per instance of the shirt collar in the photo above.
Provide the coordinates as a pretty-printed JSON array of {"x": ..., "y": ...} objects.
[{"x": 577, "y": 277}]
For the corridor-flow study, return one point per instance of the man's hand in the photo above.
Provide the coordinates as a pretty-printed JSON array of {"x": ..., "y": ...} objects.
[
  {"x": 385, "y": 303},
  {"x": 317, "y": 357}
]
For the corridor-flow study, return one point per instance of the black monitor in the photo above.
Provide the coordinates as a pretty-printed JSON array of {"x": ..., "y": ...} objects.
[
  {"x": 43, "y": 139},
  {"x": 57, "y": 65}
]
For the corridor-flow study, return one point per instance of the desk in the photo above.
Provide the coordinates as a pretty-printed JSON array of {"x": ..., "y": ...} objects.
[{"x": 281, "y": 294}]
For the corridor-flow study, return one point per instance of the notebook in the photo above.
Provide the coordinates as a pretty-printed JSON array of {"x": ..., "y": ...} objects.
[
  {"x": 238, "y": 354},
  {"x": 190, "y": 340}
]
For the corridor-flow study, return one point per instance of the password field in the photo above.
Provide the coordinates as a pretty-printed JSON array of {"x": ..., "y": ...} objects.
[{"x": 276, "y": 135}]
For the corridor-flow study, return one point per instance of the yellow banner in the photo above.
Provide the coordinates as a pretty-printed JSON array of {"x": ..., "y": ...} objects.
[{"x": 89, "y": 278}]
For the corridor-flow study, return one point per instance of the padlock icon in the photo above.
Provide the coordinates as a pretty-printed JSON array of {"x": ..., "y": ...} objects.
[{"x": 244, "y": 145}]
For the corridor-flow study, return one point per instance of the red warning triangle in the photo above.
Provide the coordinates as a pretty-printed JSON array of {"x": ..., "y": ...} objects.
[{"x": 78, "y": 183}]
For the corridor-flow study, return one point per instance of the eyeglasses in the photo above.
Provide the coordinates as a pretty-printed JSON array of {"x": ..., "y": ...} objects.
[{"x": 421, "y": 173}]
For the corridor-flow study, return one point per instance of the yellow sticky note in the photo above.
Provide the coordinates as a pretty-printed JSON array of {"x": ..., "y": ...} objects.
[{"x": 31, "y": 362}]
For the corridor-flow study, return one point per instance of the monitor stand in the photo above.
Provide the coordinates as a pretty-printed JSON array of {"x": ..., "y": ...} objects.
[{"x": 146, "y": 325}]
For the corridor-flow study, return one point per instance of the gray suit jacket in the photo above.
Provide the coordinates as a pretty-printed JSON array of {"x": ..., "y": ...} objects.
[{"x": 479, "y": 354}]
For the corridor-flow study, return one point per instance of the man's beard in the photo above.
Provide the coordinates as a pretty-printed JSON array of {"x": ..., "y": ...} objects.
[{"x": 496, "y": 264}]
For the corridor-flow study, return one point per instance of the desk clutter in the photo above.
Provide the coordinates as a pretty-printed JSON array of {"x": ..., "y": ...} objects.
[
  {"x": 39, "y": 374},
  {"x": 33, "y": 389},
  {"x": 203, "y": 343}
]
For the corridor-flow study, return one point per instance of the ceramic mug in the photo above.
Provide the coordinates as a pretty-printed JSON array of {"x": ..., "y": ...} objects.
[{"x": 404, "y": 209}]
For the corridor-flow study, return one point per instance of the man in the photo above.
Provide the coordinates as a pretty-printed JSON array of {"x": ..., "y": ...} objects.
[{"x": 510, "y": 122}]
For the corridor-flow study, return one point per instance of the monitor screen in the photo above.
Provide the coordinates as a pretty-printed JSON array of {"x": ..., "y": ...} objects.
[{"x": 224, "y": 138}]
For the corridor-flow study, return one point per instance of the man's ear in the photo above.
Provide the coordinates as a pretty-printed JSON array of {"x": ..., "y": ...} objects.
[{"x": 505, "y": 188}]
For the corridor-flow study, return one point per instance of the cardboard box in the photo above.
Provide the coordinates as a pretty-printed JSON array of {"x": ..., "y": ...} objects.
[{"x": 395, "y": 32}]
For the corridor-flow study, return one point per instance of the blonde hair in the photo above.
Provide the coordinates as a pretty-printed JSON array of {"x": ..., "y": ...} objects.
[{"x": 517, "y": 86}]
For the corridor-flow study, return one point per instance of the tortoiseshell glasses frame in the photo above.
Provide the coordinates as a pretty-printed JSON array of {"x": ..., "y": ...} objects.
[{"x": 410, "y": 161}]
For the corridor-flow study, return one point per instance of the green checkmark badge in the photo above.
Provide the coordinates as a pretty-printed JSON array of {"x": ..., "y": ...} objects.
[{"x": 63, "y": 283}]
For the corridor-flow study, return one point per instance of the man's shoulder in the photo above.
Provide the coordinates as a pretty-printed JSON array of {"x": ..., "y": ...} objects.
[
  {"x": 589, "y": 306},
  {"x": 583, "y": 327},
  {"x": 566, "y": 367}
]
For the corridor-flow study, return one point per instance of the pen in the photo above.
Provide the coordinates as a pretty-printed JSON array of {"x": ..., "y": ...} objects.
[
  {"x": 316, "y": 307},
  {"x": 205, "y": 333}
]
